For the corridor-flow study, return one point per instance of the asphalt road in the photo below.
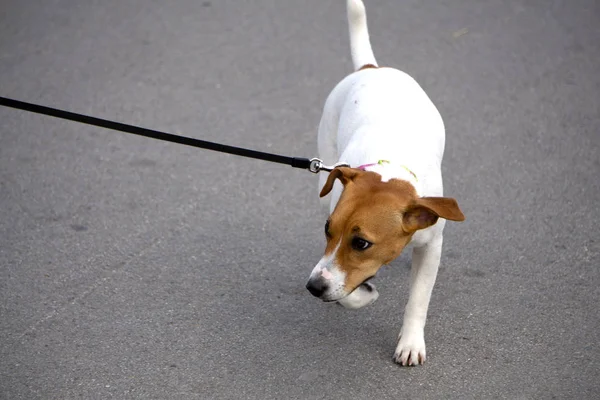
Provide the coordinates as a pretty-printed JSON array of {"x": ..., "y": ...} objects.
[{"x": 135, "y": 269}]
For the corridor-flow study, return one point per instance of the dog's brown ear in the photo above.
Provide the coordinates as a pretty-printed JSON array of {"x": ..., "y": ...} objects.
[
  {"x": 426, "y": 211},
  {"x": 344, "y": 174}
]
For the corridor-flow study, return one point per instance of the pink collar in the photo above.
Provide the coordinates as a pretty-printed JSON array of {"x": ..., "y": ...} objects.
[
  {"x": 365, "y": 166},
  {"x": 381, "y": 162}
]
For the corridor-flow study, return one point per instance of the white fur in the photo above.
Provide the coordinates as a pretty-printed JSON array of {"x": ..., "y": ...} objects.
[
  {"x": 328, "y": 270},
  {"x": 360, "y": 297},
  {"x": 383, "y": 114},
  {"x": 360, "y": 46}
]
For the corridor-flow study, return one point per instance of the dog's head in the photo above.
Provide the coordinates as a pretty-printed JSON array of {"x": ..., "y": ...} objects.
[{"x": 371, "y": 224}]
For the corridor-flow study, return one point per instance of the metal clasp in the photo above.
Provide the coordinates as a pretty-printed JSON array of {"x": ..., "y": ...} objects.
[{"x": 316, "y": 166}]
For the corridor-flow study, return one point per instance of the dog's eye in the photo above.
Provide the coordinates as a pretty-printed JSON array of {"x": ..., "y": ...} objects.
[
  {"x": 360, "y": 244},
  {"x": 327, "y": 229}
]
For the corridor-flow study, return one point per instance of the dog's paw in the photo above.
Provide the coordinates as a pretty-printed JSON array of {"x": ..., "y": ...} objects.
[
  {"x": 410, "y": 350},
  {"x": 362, "y": 296}
]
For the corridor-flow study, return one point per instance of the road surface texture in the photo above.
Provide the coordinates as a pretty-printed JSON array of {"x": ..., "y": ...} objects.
[{"x": 137, "y": 269}]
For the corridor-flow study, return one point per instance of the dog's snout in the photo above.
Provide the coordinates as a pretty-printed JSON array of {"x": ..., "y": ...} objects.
[{"x": 317, "y": 287}]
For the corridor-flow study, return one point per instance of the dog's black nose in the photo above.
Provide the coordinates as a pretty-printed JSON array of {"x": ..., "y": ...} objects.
[{"x": 317, "y": 287}]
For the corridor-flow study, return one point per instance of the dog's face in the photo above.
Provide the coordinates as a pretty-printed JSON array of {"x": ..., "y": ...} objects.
[{"x": 371, "y": 224}]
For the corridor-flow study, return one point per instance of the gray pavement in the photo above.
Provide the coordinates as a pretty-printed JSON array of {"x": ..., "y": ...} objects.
[{"x": 134, "y": 269}]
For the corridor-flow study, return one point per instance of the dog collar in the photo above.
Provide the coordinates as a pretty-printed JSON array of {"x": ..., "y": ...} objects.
[
  {"x": 365, "y": 166},
  {"x": 381, "y": 162}
]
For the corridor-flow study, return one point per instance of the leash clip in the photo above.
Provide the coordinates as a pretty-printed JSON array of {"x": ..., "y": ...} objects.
[{"x": 316, "y": 166}]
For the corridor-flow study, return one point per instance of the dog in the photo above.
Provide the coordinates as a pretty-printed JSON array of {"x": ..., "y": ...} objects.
[{"x": 381, "y": 122}]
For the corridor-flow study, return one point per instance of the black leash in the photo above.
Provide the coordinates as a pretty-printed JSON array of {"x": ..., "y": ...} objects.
[{"x": 313, "y": 165}]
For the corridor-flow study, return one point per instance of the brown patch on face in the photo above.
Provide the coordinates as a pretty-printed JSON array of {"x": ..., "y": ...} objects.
[
  {"x": 367, "y": 66},
  {"x": 384, "y": 214}
]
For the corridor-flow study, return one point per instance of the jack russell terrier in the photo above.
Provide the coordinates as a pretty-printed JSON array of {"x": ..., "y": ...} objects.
[{"x": 381, "y": 122}]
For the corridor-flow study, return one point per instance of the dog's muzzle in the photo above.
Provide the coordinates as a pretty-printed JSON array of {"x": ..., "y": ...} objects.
[
  {"x": 363, "y": 295},
  {"x": 317, "y": 286}
]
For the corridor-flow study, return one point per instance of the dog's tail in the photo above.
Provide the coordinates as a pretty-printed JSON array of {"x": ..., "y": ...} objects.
[{"x": 360, "y": 45}]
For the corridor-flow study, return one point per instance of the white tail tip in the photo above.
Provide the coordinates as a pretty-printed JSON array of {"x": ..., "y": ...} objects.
[{"x": 360, "y": 45}]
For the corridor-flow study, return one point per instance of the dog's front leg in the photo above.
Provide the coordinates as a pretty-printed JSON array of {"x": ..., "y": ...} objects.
[{"x": 411, "y": 341}]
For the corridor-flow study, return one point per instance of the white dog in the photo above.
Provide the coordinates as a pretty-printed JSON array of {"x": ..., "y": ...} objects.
[{"x": 381, "y": 122}]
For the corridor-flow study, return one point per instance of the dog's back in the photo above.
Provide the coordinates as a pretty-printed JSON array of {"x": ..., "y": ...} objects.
[{"x": 380, "y": 113}]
